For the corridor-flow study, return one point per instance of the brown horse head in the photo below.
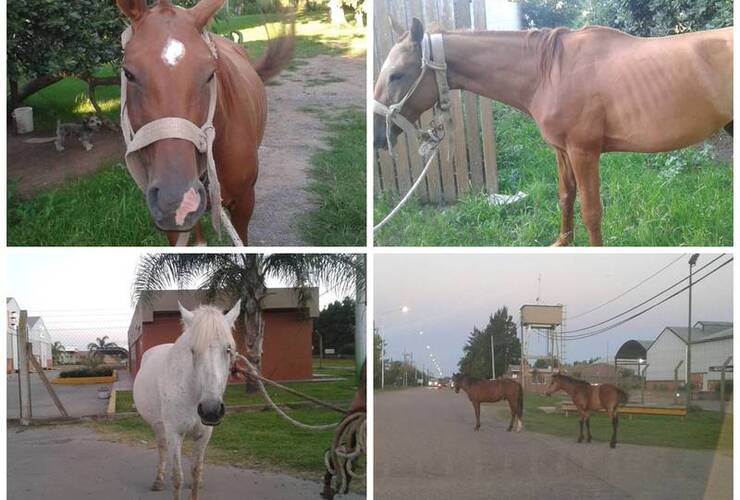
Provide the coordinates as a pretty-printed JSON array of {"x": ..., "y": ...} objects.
[
  {"x": 555, "y": 384},
  {"x": 400, "y": 71},
  {"x": 168, "y": 67},
  {"x": 461, "y": 381}
]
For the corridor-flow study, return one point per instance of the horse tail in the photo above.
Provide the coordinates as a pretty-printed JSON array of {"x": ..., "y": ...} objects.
[
  {"x": 278, "y": 53},
  {"x": 520, "y": 402},
  {"x": 622, "y": 396}
]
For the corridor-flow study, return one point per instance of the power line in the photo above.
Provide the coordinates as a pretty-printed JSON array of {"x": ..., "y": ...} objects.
[
  {"x": 630, "y": 289},
  {"x": 638, "y": 314},
  {"x": 565, "y": 334}
]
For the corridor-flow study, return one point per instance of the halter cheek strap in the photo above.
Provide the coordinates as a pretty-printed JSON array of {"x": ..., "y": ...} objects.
[{"x": 175, "y": 128}]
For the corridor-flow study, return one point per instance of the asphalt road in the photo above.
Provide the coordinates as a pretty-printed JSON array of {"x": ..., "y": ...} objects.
[
  {"x": 78, "y": 400},
  {"x": 425, "y": 447},
  {"x": 71, "y": 462}
]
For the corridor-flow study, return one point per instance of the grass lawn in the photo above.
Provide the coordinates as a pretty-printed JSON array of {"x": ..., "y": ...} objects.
[
  {"x": 260, "y": 439},
  {"x": 338, "y": 183},
  {"x": 681, "y": 198},
  {"x": 700, "y": 430}
]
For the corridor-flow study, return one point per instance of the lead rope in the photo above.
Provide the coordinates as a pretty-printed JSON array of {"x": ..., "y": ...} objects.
[
  {"x": 348, "y": 445},
  {"x": 179, "y": 128},
  {"x": 252, "y": 371},
  {"x": 431, "y": 139}
]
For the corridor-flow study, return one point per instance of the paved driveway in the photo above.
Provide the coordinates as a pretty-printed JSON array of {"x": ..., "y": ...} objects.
[
  {"x": 71, "y": 462},
  {"x": 425, "y": 447},
  {"x": 78, "y": 400}
]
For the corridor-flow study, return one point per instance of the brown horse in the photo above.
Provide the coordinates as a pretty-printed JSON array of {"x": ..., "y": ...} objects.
[
  {"x": 169, "y": 66},
  {"x": 588, "y": 398},
  {"x": 589, "y": 91},
  {"x": 489, "y": 391}
]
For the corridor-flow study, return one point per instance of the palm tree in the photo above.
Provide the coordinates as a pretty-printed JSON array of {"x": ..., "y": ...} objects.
[
  {"x": 57, "y": 348},
  {"x": 242, "y": 276}
]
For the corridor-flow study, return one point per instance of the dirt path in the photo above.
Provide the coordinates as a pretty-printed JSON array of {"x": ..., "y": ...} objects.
[
  {"x": 72, "y": 462},
  {"x": 425, "y": 447},
  {"x": 294, "y": 133}
]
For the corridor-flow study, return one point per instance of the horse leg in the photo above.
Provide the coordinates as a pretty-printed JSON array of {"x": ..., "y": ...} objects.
[
  {"x": 567, "y": 198},
  {"x": 588, "y": 429},
  {"x": 615, "y": 424},
  {"x": 586, "y": 169},
  {"x": 199, "y": 454},
  {"x": 580, "y": 436},
  {"x": 476, "y": 407},
  {"x": 512, "y": 408},
  {"x": 241, "y": 212},
  {"x": 162, "y": 464},
  {"x": 728, "y": 128},
  {"x": 174, "y": 450}
]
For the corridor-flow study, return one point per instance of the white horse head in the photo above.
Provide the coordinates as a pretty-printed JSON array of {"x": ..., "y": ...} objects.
[{"x": 207, "y": 334}]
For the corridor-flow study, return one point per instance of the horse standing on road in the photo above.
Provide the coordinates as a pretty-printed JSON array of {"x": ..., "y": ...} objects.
[
  {"x": 179, "y": 389},
  {"x": 587, "y": 398},
  {"x": 490, "y": 391}
]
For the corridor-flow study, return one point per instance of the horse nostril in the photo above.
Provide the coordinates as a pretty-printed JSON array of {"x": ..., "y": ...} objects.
[
  {"x": 221, "y": 410},
  {"x": 200, "y": 409}
]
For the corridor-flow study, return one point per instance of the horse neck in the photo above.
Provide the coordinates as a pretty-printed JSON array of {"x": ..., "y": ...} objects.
[{"x": 500, "y": 65}]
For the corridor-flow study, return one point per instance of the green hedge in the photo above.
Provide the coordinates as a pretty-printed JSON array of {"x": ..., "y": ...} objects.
[{"x": 87, "y": 372}]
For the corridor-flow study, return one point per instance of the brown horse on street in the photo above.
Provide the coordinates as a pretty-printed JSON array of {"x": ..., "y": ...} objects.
[
  {"x": 490, "y": 391},
  {"x": 590, "y": 91},
  {"x": 589, "y": 398},
  {"x": 168, "y": 67}
]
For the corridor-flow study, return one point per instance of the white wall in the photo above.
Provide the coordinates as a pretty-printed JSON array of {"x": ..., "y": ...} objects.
[
  {"x": 664, "y": 355},
  {"x": 706, "y": 354}
]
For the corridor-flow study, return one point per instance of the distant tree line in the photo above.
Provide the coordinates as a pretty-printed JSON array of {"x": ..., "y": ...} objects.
[{"x": 476, "y": 360}]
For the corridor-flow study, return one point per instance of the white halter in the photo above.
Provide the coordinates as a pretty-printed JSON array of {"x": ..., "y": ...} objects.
[{"x": 176, "y": 128}]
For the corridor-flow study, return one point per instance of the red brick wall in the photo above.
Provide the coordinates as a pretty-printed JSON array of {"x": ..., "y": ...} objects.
[{"x": 286, "y": 348}]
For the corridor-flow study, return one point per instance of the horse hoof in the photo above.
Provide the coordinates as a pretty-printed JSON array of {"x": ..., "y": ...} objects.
[
  {"x": 561, "y": 242},
  {"x": 158, "y": 486},
  {"x": 612, "y": 445}
]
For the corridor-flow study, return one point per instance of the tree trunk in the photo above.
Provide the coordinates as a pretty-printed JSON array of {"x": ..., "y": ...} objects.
[
  {"x": 92, "y": 84},
  {"x": 253, "y": 321},
  {"x": 37, "y": 84},
  {"x": 360, "y": 327}
]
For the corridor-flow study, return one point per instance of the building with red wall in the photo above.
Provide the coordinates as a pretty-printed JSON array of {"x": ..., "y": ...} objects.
[{"x": 286, "y": 349}]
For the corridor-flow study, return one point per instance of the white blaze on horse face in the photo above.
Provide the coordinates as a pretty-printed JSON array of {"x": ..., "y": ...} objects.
[
  {"x": 189, "y": 204},
  {"x": 172, "y": 52}
]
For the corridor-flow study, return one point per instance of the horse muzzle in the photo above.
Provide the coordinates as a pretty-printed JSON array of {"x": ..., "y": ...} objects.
[
  {"x": 176, "y": 208},
  {"x": 210, "y": 414}
]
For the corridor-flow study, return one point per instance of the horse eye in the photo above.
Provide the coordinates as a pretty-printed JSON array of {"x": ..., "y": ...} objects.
[
  {"x": 228, "y": 349},
  {"x": 211, "y": 77},
  {"x": 396, "y": 76},
  {"x": 129, "y": 76}
]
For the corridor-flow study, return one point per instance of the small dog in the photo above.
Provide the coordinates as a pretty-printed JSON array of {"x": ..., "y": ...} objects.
[{"x": 83, "y": 130}]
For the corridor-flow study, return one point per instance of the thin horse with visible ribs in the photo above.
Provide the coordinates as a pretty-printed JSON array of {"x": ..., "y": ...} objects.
[
  {"x": 199, "y": 99},
  {"x": 587, "y": 398},
  {"x": 490, "y": 391},
  {"x": 590, "y": 91}
]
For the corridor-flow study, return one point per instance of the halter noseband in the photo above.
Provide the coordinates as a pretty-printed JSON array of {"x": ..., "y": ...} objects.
[
  {"x": 432, "y": 58},
  {"x": 173, "y": 128}
]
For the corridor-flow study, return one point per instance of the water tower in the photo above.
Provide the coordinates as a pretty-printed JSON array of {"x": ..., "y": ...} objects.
[{"x": 542, "y": 318}]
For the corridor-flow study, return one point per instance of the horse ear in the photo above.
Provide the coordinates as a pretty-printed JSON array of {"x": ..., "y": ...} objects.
[
  {"x": 234, "y": 313},
  {"x": 204, "y": 10},
  {"x": 187, "y": 316},
  {"x": 396, "y": 26},
  {"x": 417, "y": 30},
  {"x": 133, "y": 9}
]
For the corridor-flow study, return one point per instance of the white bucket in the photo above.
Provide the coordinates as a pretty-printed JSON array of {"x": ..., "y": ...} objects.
[{"x": 23, "y": 119}]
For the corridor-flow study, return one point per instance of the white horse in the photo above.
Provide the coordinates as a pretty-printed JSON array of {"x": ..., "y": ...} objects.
[{"x": 179, "y": 389}]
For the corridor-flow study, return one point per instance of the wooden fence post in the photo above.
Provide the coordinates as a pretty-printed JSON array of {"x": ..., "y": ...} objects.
[{"x": 23, "y": 372}]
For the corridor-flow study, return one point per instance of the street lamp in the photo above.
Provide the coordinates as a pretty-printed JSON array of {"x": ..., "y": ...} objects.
[
  {"x": 692, "y": 263},
  {"x": 404, "y": 309}
]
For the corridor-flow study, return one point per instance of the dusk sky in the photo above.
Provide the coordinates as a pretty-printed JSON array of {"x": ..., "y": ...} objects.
[
  {"x": 83, "y": 294},
  {"x": 447, "y": 295}
]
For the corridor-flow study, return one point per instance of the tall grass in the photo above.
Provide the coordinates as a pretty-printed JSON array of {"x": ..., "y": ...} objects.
[{"x": 682, "y": 198}]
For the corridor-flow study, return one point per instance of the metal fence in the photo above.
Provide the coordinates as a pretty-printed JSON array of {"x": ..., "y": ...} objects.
[{"x": 474, "y": 164}]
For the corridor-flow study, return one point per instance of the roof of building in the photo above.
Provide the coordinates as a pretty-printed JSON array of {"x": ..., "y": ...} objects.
[
  {"x": 702, "y": 331},
  {"x": 634, "y": 349},
  {"x": 276, "y": 299}
]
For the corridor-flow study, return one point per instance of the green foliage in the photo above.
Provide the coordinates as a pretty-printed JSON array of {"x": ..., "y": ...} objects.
[
  {"x": 87, "y": 372},
  {"x": 336, "y": 325},
  {"x": 550, "y": 13},
  {"x": 476, "y": 360},
  {"x": 53, "y": 38},
  {"x": 661, "y": 17}
]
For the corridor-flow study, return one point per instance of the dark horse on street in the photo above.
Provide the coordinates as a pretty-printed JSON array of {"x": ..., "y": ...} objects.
[
  {"x": 588, "y": 397},
  {"x": 489, "y": 391},
  {"x": 169, "y": 68}
]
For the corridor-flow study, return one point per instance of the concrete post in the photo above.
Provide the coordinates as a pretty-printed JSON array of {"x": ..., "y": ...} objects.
[{"x": 23, "y": 371}]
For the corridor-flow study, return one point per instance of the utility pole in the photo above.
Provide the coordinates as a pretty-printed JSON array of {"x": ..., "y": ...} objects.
[
  {"x": 493, "y": 360},
  {"x": 321, "y": 348},
  {"x": 23, "y": 371},
  {"x": 692, "y": 263}
]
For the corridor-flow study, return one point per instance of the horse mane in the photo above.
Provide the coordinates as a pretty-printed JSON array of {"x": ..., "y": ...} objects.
[
  {"x": 549, "y": 44},
  {"x": 571, "y": 379},
  {"x": 208, "y": 325}
]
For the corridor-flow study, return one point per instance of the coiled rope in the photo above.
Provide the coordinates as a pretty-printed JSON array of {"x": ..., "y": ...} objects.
[{"x": 346, "y": 447}]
